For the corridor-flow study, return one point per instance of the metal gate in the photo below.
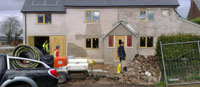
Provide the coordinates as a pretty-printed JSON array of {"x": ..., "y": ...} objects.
[{"x": 181, "y": 62}]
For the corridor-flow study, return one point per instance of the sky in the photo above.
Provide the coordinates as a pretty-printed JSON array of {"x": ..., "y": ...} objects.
[
  {"x": 184, "y": 7},
  {"x": 12, "y": 8}
]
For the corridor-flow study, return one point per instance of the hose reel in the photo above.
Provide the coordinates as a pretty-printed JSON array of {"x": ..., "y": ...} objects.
[{"x": 26, "y": 51}]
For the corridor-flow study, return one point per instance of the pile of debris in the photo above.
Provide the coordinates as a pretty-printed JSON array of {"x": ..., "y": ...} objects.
[{"x": 140, "y": 70}]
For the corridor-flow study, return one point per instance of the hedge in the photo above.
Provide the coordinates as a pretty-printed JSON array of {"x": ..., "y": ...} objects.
[
  {"x": 196, "y": 20},
  {"x": 172, "y": 39},
  {"x": 173, "y": 53}
]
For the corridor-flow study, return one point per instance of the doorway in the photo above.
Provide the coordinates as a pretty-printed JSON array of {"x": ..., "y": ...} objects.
[
  {"x": 53, "y": 41},
  {"x": 39, "y": 41},
  {"x": 118, "y": 41}
]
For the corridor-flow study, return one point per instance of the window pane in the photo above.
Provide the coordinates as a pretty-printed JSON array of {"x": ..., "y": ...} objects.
[
  {"x": 95, "y": 43},
  {"x": 142, "y": 15},
  {"x": 47, "y": 18},
  {"x": 149, "y": 41},
  {"x": 88, "y": 43},
  {"x": 95, "y": 16},
  {"x": 88, "y": 16},
  {"x": 150, "y": 15},
  {"x": 129, "y": 41},
  {"x": 110, "y": 42},
  {"x": 40, "y": 18},
  {"x": 142, "y": 41}
]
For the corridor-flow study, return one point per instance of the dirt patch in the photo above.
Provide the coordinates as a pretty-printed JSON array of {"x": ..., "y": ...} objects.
[
  {"x": 97, "y": 82},
  {"x": 92, "y": 80},
  {"x": 141, "y": 71},
  {"x": 103, "y": 85}
]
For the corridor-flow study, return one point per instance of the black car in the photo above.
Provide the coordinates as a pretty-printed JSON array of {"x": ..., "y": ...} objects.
[{"x": 31, "y": 77}]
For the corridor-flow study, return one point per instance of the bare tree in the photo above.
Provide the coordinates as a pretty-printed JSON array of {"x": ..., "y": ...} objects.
[{"x": 11, "y": 28}]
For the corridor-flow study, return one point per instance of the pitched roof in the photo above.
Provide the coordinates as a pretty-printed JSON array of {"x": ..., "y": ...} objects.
[
  {"x": 109, "y": 3},
  {"x": 197, "y": 2},
  {"x": 43, "y": 6},
  {"x": 59, "y": 5},
  {"x": 125, "y": 24}
]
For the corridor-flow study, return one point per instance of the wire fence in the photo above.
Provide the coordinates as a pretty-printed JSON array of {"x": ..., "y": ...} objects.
[{"x": 181, "y": 62}]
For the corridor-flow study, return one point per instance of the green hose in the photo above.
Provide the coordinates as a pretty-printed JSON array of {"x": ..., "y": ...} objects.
[{"x": 26, "y": 51}]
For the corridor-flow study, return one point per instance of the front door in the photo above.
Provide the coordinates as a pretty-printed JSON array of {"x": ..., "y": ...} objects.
[{"x": 118, "y": 40}]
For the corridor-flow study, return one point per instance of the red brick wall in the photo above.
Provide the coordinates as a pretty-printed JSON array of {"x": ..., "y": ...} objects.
[
  {"x": 194, "y": 11},
  {"x": 12, "y": 43}
]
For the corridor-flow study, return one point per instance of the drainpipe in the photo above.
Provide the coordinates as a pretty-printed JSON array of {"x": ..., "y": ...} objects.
[
  {"x": 25, "y": 30},
  {"x": 103, "y": 50},
  {"x": 177, "y": 13}
]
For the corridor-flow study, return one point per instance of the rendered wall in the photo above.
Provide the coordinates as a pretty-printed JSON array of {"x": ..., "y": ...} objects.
[{"x": 73, "y": 26}]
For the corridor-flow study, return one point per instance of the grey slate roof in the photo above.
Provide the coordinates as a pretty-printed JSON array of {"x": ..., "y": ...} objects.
[
  {"x": 197, "y": 2},
  {"x": 125, "y": 24},
  {"x": 59, "y": 5},
  {"x": 43, "y": 6},
  {"x": 121, "y": 3}
]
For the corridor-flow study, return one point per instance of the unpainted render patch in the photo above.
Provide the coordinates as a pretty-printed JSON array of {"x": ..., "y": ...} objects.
[
  {"x": 76, "y": 51},
  {"x": 93, "y": 30},
  {"x": 79, "y": 36}
]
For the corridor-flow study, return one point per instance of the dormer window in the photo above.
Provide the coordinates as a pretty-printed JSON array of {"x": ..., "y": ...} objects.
[{"x": 44, "y": 18}]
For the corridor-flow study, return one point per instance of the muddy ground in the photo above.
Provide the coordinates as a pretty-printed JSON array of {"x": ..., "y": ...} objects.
[
  {"x": 104, "y": 85},
  {"x": 93, "y": 81},
  {"x": 105, "y": 81},
  {"x": 97, "y": 82}
]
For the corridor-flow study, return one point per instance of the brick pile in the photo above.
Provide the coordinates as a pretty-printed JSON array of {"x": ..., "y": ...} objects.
[{"x": 140, "y": 70}]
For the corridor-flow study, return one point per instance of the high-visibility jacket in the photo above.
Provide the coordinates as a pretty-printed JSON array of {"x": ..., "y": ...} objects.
[
  {"x": 56, "y": 53},
  {"x": 46, "y": 46}
]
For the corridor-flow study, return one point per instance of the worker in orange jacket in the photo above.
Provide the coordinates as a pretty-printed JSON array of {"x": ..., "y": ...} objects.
[{"x": 56, "y": 51}]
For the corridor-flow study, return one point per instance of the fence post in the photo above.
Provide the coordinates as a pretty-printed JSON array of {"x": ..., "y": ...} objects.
[
  {"x": 163, "y": 61},
  {"x": 198, "y": 47}
]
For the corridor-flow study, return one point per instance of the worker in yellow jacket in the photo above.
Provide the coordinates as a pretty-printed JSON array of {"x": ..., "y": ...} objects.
[{"x": 45, "y": 47}]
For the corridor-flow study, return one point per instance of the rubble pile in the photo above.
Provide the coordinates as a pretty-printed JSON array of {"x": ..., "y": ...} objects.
[{"x": 140, "y": 70}]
